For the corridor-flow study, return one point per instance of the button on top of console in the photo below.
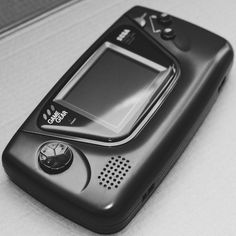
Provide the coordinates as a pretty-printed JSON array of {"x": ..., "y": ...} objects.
[
  {"x": 55, "y": 157},
  {"x": 141, "y": 19},
  {"x": 167, "y": 33},
  {"x": 165, "y": 19}
]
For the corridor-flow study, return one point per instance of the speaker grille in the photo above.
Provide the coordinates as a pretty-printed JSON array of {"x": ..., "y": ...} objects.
[{"x": 114, "y": 172}]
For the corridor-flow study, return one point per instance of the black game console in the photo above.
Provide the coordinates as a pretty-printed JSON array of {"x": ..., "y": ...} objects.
[{"x": 108, "y": 132}]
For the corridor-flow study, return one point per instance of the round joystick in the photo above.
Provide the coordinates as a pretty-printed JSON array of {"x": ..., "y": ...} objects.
[{"x": 55, "y": 157}]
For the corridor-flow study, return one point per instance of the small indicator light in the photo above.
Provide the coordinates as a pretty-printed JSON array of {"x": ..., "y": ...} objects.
[
  {"x": 53, "y": 108},
  {"x": 49, "y": 112}
]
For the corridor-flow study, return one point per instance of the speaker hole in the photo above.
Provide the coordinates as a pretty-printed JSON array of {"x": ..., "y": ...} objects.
[{"x": 114, "y": 172}]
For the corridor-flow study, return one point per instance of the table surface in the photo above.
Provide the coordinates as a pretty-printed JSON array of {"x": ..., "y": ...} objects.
[
  {"x": 198, "y": 197},
  {"x": 16, "y": 13}
]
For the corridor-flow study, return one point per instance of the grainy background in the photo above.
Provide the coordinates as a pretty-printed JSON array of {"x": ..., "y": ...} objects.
[
  {"x": 197, "y": 197},
  {"x": 13, "y": 13}
]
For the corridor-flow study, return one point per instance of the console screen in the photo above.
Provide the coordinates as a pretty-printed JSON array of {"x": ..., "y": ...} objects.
[{"x": 113, "y": 91}]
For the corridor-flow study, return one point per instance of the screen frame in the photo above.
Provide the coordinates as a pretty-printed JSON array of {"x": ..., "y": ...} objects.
[
  {"x": 60, "y": 98},
  {"x": 169, "y": 77},
  {"x": 89, "y": 63}
]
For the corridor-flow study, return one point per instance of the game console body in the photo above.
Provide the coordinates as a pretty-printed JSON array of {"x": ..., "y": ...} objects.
[{"x": 107, "y": 171}]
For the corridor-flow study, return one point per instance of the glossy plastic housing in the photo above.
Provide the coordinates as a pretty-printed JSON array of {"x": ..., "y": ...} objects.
[{"x": 81, "y": 193}]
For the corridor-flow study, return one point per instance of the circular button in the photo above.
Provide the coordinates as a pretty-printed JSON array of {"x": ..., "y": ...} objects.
[
  {"x": 164, "y": 19},
  {"x": 167, "y": 33},
  {"x": 55, "y": 157}
]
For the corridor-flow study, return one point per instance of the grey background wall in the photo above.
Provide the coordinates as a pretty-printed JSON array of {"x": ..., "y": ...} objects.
[{"x": 197, "y": 197}]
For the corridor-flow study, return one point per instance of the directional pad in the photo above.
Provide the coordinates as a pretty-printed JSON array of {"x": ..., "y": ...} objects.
[
  {"x": 55, "y": 157},
  {"x": 52, "y": 145},
  {"x": 47, "y": 151},
  {"x": 61, "y": 149}
]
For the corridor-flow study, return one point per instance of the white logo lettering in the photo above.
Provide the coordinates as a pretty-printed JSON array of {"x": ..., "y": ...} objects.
[
  {"x": 57, "y": 117},
  {"x": 123, "y": 34}
]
